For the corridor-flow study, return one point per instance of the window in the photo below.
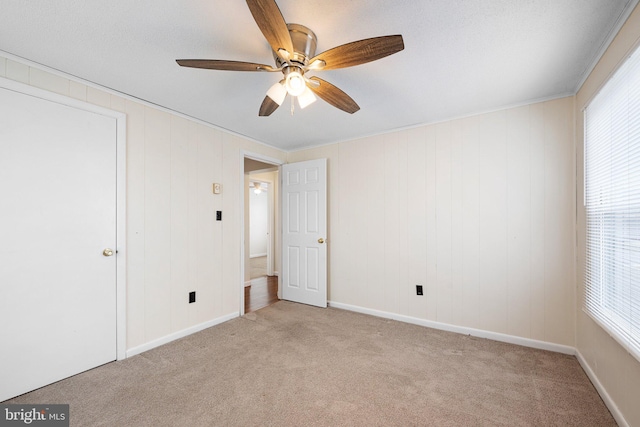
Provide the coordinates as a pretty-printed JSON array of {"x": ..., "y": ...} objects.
[{"x": 612, "y": 202}]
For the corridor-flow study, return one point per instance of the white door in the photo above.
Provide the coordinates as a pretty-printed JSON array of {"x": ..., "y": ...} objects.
[
  {"x": 304, "y": 232},
  {"x": 58, "y": 214}
]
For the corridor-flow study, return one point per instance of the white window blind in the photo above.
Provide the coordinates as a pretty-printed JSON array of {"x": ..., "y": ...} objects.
[{"x": 612, "y": 201}]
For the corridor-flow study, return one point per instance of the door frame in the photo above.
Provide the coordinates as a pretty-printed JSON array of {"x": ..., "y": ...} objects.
[
  {"x": 121, "y": 169},
  {"x": 265, "y": 159}
]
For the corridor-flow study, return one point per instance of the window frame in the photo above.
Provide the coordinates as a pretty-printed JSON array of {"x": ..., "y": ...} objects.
[{"x": 619, "y": 221}]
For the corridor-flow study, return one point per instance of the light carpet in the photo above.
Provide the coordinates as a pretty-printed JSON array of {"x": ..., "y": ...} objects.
[{"x": 296, "y": 365}]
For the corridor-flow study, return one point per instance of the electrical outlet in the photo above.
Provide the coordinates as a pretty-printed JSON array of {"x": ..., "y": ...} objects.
[
  {"x": 218, "y": 215},
  {"x": 192, "y": 297},
  {"x": 419, "y": 290}
]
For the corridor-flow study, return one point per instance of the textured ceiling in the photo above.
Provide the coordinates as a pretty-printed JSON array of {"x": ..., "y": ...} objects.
[{"x": 461, "y": 57}]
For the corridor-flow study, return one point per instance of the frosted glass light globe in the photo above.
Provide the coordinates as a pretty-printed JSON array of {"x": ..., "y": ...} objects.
[{"x": 295, "y": 83}]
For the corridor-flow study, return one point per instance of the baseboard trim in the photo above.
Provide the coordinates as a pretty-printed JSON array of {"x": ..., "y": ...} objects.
[
  {"x": 180, "y": 334},
  {"x": 496, "y": 336},
  {"x": 613, "y": 408},
  {"x": 257, "y": 255}
]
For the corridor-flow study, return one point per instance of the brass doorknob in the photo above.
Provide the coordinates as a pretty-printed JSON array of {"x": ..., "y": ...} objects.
[
  {"x": 321, "y": 240},
  {"x": 107, "y": 252}
]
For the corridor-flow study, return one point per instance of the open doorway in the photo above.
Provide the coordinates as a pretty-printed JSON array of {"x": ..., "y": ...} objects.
[
  {"x": 260, "y": 228},
  {"x": 261, "y": 253}
]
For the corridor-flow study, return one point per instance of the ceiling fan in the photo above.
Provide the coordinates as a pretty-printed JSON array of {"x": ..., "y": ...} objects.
[{"x": 294, "y": 49}]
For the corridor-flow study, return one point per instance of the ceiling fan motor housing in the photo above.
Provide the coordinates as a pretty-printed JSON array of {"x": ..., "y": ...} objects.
[{"x": 304, "y": 45}]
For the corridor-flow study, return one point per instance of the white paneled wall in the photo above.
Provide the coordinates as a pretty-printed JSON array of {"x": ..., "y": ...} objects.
[
  {"x": 174, "y": 244},
  {"x": 480, "y": 211}
]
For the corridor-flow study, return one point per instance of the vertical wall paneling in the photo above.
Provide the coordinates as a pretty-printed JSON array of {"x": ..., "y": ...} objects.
[
  {"x": 358, "y": 218},
  {"x": 444, "y": 225},
  {"x": 193, "y": 214},
  {"x": 537, "y": 214},
  {"x": 398, "y": 294},
  {"x": 390, "y": 232},
  {"x": 227, "y": 202},
  {"x": 492, "y": 221},
  {"x": 374, "y": 242},
  {"x": 431, "y": 295},
  {"x": 135, "y": 224},
  {"x": 231, "y": 224},
  {"x": 179, "y": 222},
  {"x": 157, "y": 223},
  {"x": 559, "y": 218},
  {"x": 345, "y": 224},
  {"x": 480, "y": 193},
  {"x": 518, "y": 222},
  {"x": 457, "y": 219},
  {"x": 358, "y": 207},
  {"x": 416, "y": 209},
  {"x": 205, "y": 291},
  {"x": 470, "y": 224}
]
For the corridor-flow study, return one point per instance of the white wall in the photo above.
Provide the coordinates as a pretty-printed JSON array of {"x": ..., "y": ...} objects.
[
  {"x": 273, "y": 178},
  {"x": 174, "y": 243},
  {"x": 480, "y": 211},
  {"x": 258, "y": 222},
  {"x": 613, "y": 368}
]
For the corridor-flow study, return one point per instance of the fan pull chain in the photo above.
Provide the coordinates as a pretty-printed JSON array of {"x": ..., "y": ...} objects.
[{"x": 293, "y": 105}]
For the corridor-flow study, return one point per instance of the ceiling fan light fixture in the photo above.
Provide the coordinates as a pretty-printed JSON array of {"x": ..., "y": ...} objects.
[
  {"x": 277, "y": 93},
  {"x": 257, "y": 188},
  {"x": 306, "y": 98},
  {"x": 295, "y": 83}
]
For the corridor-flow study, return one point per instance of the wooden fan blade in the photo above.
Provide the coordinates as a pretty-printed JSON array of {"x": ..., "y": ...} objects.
[
  {"x": 217, "y": 64},
  {"x": 268, "y": 106},
  {"x": 360, "y": 52},
  {"x": 333, "y": 95},
  {"x": 272, "y": 24}
]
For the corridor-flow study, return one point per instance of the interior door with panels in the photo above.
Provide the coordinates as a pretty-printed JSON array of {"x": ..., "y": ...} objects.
[
  {"x": 304, "y": 231},
  {"x": 57, "y": 241}
]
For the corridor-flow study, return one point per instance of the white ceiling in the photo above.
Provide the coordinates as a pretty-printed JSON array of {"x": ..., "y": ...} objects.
[{"x": 461, "y": 57}]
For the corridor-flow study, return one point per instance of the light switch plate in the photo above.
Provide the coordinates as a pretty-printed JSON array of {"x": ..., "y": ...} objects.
[{"x": 217, "y": 188}]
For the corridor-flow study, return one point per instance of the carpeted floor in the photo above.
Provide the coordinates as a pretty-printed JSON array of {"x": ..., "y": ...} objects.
[{"x": 295, "y": 365}]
